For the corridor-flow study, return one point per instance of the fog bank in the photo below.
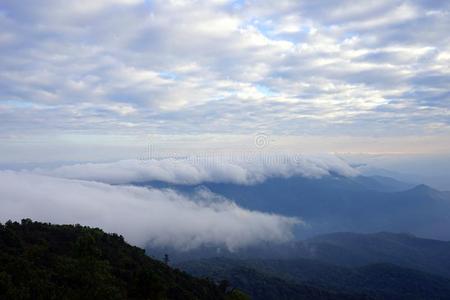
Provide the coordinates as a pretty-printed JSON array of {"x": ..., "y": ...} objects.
[
  {"x": 197, "y": 170},
  {"x": 141, "y": 215}
]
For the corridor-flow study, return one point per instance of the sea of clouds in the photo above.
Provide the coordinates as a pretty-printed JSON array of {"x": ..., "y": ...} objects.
[
  {"x": 102, "y": 195},
  {"x": 143, "y": 216},
  {"x": 195, "y": 170}
]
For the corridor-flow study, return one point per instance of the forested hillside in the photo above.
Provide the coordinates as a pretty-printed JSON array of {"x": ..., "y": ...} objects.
[{"x": 44, "y": 261}]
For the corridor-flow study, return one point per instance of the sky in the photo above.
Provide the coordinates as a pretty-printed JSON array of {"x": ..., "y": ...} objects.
[{"x": 96, "y": 80}]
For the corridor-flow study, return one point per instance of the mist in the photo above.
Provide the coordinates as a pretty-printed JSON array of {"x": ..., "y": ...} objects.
[
  {"x": 143, "y": 216},
  {"x": 249, "y": 170}
]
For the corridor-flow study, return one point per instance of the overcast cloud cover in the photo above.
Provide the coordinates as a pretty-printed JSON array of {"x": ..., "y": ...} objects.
[
  {"x": 366, "y": 68},
  {"x": 141, "y": 215}
]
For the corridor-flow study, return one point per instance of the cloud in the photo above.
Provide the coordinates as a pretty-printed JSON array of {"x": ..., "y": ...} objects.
[
  {"x": 198, "y": 66},
  {"x": 157, "y": 217},
  {"x": 195, "y": 170}
]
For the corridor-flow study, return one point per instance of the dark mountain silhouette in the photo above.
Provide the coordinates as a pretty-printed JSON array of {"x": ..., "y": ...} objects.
[
  {"x": 260, "y": 284},
  {"x": 342, "y": 249},
  {"x": 263, "y": 279},
  {"x": 352, "y": 249}
]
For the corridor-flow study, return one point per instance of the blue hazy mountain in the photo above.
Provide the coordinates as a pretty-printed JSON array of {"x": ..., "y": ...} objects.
[
  {"x": 336, "y": 203},
  {"x": 353, "y": 249}
]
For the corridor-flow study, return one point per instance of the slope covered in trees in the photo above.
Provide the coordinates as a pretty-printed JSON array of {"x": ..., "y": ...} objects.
[{"x": 44, "y": 261}]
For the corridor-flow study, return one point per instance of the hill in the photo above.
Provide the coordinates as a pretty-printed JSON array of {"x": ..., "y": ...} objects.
[
  {"x": 354, "y": 249},
  {"x": 342, "y": 249},
  {"x": 44, "y": 261},
  {"x": 254, "y": 279},
  {"x": 284, "y": 279}
]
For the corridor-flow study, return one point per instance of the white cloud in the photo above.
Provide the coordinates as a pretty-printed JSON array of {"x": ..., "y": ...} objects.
[
  {"x": 195, "y": 66},
  {"x": 195, "y": 170},
  {"x": 157, "y": 217}
]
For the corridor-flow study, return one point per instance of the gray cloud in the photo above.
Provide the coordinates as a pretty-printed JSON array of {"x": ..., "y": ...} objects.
[
  {"x": 157, "y": 217},
  {"x": 131, "y": 66}
]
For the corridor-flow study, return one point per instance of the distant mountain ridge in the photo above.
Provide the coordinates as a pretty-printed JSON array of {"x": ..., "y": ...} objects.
[
  {"x": 371, "y": 266},
  {"x": 338, "y": 203},
  {"x": 260, "y": 284},
  {"x": 374, "y": 281},
  {"x": 353, "y": 249},
  {"x": 340, "y": 249}
]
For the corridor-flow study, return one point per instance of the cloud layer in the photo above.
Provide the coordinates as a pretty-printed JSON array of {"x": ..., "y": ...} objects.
[
  {"x": 314, "y": 67},
  {"x": 157, "y": 217},
  {"x": 197, "y": 170}
]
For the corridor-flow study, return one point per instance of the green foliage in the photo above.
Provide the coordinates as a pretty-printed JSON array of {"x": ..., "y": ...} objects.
[{"x": 44, "y": 261}]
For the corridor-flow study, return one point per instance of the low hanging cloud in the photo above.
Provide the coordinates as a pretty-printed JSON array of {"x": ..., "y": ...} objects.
[
  {"x": 191, "y": 171},
  {"x": 143, "y": 216}
]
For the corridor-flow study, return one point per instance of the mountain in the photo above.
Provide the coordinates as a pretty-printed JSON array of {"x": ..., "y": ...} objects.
[
  {"x": 282, "y": 279},
  {"x": 340, "y": 249},
  {"x": 375, "y": 266},
  {"x": 259, "y": 283},
  {"x": 337, "y": 203},
  {"x": 383, "y": 183},
  {"x": 353, "y": 249},
  {"x": 44, "y": 261}
]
